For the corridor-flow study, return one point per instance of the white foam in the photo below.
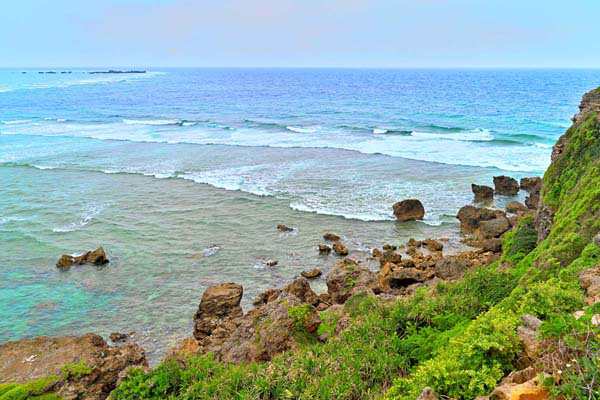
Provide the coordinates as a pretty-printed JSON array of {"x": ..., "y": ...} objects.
[
  {"x": 16, "y": 122},
  {"x": 87, "y": 216},
  {"x": 300, "y": 129},
  {"x": 152, "y": 122},
  {"x": 379, "y": 131},
  {"x": 468, "y": 136}
]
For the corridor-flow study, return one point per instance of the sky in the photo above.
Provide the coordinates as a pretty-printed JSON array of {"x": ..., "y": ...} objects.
[{"x": 300, "y": 33}]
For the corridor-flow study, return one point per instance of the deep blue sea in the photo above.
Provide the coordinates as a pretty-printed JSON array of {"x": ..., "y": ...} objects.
[{"x": 182, "y": 175}]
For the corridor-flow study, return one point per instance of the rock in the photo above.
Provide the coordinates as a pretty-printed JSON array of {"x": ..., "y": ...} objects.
[
  {"x": 409, "y": 210},
  {"x": 494, "y": 245},
  {"x": 597, "y": 239},
  {"x": 117, "y": 337},
  {"x": 515, "y": 207},
  {"x": 184, "y": 349},
  {"x": 300, "y": 288},
  {"x": 505, "y": 185},
  {"x": 530, "y": 390},
  {"x": 470, "y": 217},
  {"x": 312, "y": 274},
  {"x": 340, "y": 249},
  {"x": 531, "y": 185},
  {"x": 271, "y": 263},
  {"x": 589, "y": 103},
  {"x": 432, "y": 245},
  {"x": 266, "y": 296},
  {"x": 324, "y": 249},
  {"x": 376, "y": 253},
  {"x": 284, "y": 228},
  {"x": 533, "y": 201},
  {"x": 28, "y": 359},
  {"x": 493, "y": 228},
  {"x": 389, "y": 247},
  {"x": 482, "y": 193},
  {"x": 96, "y": 257},
  {"x": 390, "y": 256},
  {"x": 590, "y": 282},
  {"x": 427, "y": 394},
  {"x": 347, "y": 278},
  {"x": 219, "y": 304},
  {"x": 528, "y": 335},
  {"x": 392, "y": 277},
  {"x": 451, "y": 267},
  {"x": 595, "y": 320},
  {"x": 331, "y": 237}
]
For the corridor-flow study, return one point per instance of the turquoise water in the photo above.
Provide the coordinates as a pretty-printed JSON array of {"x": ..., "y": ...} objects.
[{"x": 182, "y": 175}]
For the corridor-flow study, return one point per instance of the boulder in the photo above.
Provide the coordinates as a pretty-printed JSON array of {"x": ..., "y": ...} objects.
[
  {"x": 590, "y": 282},
  {"x": 392, "y": 277},
  {"x": 505, "y": 185},
  {"x": 482, "y": 193},
  {"x": 533, "y": 200},
  {"x": 340, "y": 249},
  {"x": 118, "y": 337},
  {"x": 312, "y": 274},
  {"x": 96, "y": 257},
  {"x": 102, "y": 365},
  {"x": 451, "y": 267},
  {"x": 409, "y": 210},
  {"x": 271, "y": 263},
  {"x": 324, "y": 249},
  {"x": 470, "y": 217},
  {"x": 493, "y": 228},
  {"x": 300, "y": 288},
  {"x": 428, "y": 394},
  {"x": 530, "y": 185},
  {"x": 331, "y": 237},
  {"x": 284, "y": 228},
  {"x": 389, "y": 247},
  {"x": 515, "y": 207},
  {"x": 530, "y": 390},
  {"x": 219, "y": 305},
  {"x": 266, "y": 296},
  {"x": 346, "y": 278}
]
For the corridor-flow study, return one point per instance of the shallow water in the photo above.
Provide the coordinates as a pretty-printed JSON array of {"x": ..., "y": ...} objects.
[{"x": 183, "y": 175}]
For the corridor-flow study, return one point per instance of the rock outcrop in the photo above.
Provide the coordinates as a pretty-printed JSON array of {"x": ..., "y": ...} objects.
[
  {"x": 483, "y": 223},
  {"x": 85, "y": 366},
  {"x": 218, "y": 310},
  {"x": 505, "y": 185},
  {"x": 482, "y": 193},
  {"x": 96, "y": 257},
  {"x": 347, "y": 278},
  {"x": 409, "y": 210},
  {"x": 311, "y": 274}
]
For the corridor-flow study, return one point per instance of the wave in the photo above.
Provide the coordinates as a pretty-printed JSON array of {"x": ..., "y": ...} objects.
[
  {"x": 300, "y": 129},
  {"x": 16, "y": 122},
  {"x": 87, "y": 216},
  {"x": 153, "y": 122},
  {"x": 475, "y": 135}
]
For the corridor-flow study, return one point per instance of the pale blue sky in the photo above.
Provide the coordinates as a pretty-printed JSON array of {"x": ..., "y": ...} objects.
[{"x": 344, "y": 33}]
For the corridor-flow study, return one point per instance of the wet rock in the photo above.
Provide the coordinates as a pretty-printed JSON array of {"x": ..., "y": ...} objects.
[
  {"x": 312, "y": 274},
  {"x": 515, "y": 207},
  {"x": 219, "y": 305},
  {"x": 284, "y": 228},
  {"x": 590, "y": 282},
  {"x": 340, "y": 249},
  {"x": 409, "y": 210},
  {"x": 505, "y": 185},
  {"x": 28, "y": 359},
  {"x": 346, "y": 278},
  {"x": 482, "y": 193},
  {"x": 96, "y": 257},
  {"x": 531, "y": 185},
  {"x": 324, "y": 249},
  {"x": 331, "y": 237}
]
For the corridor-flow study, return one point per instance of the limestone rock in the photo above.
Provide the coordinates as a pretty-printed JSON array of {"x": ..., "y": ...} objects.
[
  {"x": 515, "y": 207},
  {"x": 409, "y": 210},
  {"x": 324, "y": 249},
  {"x": 590, "y": 282},
  {"x": 219, "y": 304},
  {"x": 284, "y": 228},
  {"x": 312, "y": 274},
  {"x": 427, "y": 394},
  {"x": 482, "y": 193},
  {"x": 531, "y": 184},
  {"x": 96, "y": 257},
  {"x": 300, "y": 288},
  {"x": 505, "y": 185},
  {"x": 331, "y": 237},
  {"x": 470, "y": 217},
  {"x": 346, "y": 278},
  {"x": 340, "y": 249},
  {"x": 530, "y": 390},
  {"x": 493, "y": 228}
]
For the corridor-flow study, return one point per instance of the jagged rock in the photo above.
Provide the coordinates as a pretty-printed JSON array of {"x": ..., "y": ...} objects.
[
  {"x": 494, "y": 245},
  {"x": 331, "y": 237},
  {"x": 589, "y": 103},
  {"x": 451, "y": 267},
  {"x": 516, "y": 207},
  {"x": 531, "y": 184},
  {"x": 392, "y": 277},
  {"x": 390, "y": 256},
  {"x": 590, "y": 282},
  {"x": 185, "y": 348},
  {"x": 528, "y": 335},
  {"x": 300, "y": 288},
  {"x": 432, "y": 245},
  {"x": 266, "y": 296},
  {"x": 427, "y": 394},
  {"x": 597, "y": 239},
  {"x": 96, "y": 257},
  {"x": 530, "y": 390},
  {"x": 28, "y": 359},
  {"x": 346, "y": 278},
  {"x": 409, "y": 210},
  {"x": 389, "y": 247},
  {"x": 543, "y": 221},
  {"x": 284, "y": 228},
  {"x": 493, "y": 228},
  {"x": 376, "y": 253},
  {"x": 470, "y": 217},
  {"x": 340, "y": 249},
  {"x": 118, "y": 337},
  {"x": 505, "y": 185},
  {"x": 312, "y": 274},
  {"x": 219, "y": 304},
  {"x": 482, "y": 193},
  {"x": 533, "y": 200},
  {"x": 324, "y": 249}
]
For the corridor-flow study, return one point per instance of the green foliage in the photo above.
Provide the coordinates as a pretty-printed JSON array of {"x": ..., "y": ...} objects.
[
  {"x": 299, "y": 314},
  {"x": 75, "y": 370},
  {"x": 520, "y": 241},
  {"x": 35, "y": 389}
]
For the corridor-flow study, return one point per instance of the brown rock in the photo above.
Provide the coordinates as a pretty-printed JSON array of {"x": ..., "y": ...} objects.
[
  {"x": 590, "y": 282},
  {"x": 96, "y": 257},
  {"x": 530, "y": 390},
  {"x": 427, "y": 394},
  {"x": 266, "y": 296},
  {"x": 533, "y": 200},
  {"x": 117, "y": 337},
  {"x": 392, "y": 277},
  {"x": 28, "y": 359},
  {"x": 531, "y": 185},
  {"x": 331, "y": 237},
  {"x": 470, "y": 217},
  {"x": 451, "y": 267},
  {"x": 505, "y": 185},
  {"x": 482, "y": 193},
  {"x": 432, "y": 245},
  {"x": 312, "y": 274},
  {"x": 219, "y": 304},
  {"x": 376, "y": 253},
  {"x": 346, "y": 278},
  {"x": 409, "y": 210},
  {"x": 340, "y": 249},
  {"x": 493, "y": 228},
  {"x": 389, "y": 247},
  {"x": 324, "y": 249},
  {"x": 300, "y": 288},
  {"x": 184, "y": 349},
  {"x": 516, "y": 207},
  {"x": 284, "y": 228}
]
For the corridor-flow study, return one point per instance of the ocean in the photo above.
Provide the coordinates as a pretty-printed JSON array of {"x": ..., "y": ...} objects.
[{"x": 183, "y": 174}]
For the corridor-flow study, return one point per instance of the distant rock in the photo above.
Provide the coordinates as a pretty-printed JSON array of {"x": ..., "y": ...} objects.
[
  {"x": 284, "y": 228},
  {"x": 312, "y": 274},
  {"x": 96, "y": 257},
  {"x": 324, "y": 249},
  {"x": 482, "y": 193},
  {"x": 331, "y": 237},
  {"x": 271, "y": 263},
  {"x": 340, "y": 249},
  {"x": 515, "y": 207},
  {"x": 533, "y": 184},
  {"x": 505, "y": 185},
  {"x": 409, "y": 210}
]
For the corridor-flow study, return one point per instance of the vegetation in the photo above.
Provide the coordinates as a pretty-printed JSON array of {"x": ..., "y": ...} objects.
[{"x": 35, "y": 390}]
